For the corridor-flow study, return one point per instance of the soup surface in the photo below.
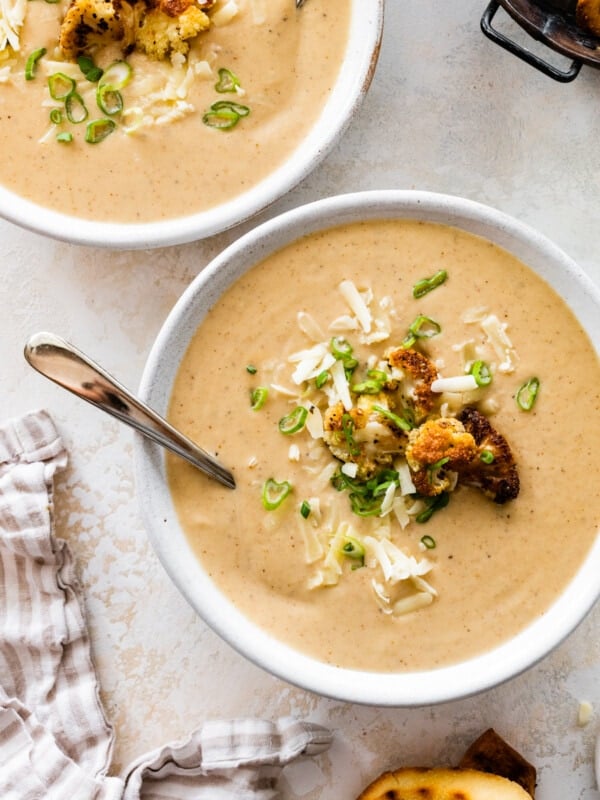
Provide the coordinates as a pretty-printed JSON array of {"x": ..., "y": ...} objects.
[
  {"x": 162, "y": 160},
  {"x": 311, "y": 570}
]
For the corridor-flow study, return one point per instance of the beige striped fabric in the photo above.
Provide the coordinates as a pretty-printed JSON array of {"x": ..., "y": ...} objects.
[{"x": 55, "y": 741}]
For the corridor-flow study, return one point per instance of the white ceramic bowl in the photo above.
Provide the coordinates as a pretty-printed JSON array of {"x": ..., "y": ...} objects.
[
  {"x": 356, "y": 72},
  {"x": 402, "y": 689}
]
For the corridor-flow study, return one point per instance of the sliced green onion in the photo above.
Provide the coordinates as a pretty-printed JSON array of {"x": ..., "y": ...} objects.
[
  {"x": 60, "y": 86},
  {"x": 294, "y": 421},
  {"x": 348, "y": 431},
  {"x": 251, "y": 369},
  {"x": 487, "y": 456},
  {"x": 424, "y": 327},
  {"x": 228, "y": 82},
  {"x": 352, "y": 548},
  {"x": 109, "y": 100},
  {"x": 341, "y": 348},
  {"x": 274, "y": 493},
  {"x": 321, "y": 379},
  {"x": 481, "y": 372},
  {"x": 31, "y": 63},
  {"x": 56, "y": 116},
  {"x": 305, "y": 509},
  {"x": 527, "y": 394},
  {"x": 375, "y": 383},
  {"x": 258, "y": 397},
  {"x": 428, "y": 542},
  {"x": 64, "y": 137},
  {"x": 433, "y": 504},
  {"x": 98, "y": 130},
  {"x": 438, "y": 464},
  {"x": 427, "y": 284},
  {"x": 117, "y": 75},
  {"x": 222, "y": 120},
  {"x": 75, "y": 108},
  {"x": 91, "y": 72},
  {"x": 401, "y": 423},
  {"x": 229, "y": 105}
]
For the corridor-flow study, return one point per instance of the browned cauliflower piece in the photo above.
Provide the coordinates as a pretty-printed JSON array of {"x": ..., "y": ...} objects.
[
  {"x": 362, "y": 435},
  {"x": 498, "y": 479},
  {"x": 91, "y": 23},
  {"x": 161, "y": 33},
  {"x": 435, "y": 450},
  {"x": 156, "y": 27},
  {"x": 419, "y": 373}
]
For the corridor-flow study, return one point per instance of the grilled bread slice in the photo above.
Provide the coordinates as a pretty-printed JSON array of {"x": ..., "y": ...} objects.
[{"x": 441, "y": 783}]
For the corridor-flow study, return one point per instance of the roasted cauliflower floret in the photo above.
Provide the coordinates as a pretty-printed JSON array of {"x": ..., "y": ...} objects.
[
  {"x": 156, "y": 27},
  {"x": 436, "y": 450},
  {"x": 419, "y": 373},
  {"x": 494, "y": 470},
  {"x": 160, "y": 34},
  {"x": 363, "y": 436},
  {"x": 91, "y": 23}
]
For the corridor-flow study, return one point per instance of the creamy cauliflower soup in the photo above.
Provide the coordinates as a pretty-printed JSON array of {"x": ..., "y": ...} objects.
[
  {"x": 150, "y": 109},
  {"x": 411, "y": 416}
]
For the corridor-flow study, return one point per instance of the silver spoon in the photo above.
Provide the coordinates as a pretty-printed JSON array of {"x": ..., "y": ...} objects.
[{"x": 67, "y": 366}]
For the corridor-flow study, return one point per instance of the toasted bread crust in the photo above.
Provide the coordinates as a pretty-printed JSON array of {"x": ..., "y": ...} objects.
[
  {"x": 415, "y": 783},
  {"x": 490, "y": 753}
]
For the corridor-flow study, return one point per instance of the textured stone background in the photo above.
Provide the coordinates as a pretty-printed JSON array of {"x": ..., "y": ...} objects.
[{"x": 447, "y": 111}]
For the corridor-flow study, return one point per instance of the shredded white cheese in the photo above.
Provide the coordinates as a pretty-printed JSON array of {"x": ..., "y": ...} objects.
[
  {"x": 224, "y": 14},
  {"x": 12, "y": 18},
  {"x": 340, "y": 383},
  {"x": 457, "y": 383},
  {"x": 310, "y": 326},
  {"x": 499, "y": 340},
  {"x": 357, "y": 305}
]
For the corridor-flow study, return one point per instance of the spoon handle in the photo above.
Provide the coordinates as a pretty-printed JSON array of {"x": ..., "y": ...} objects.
[{"x": 67, "y": 366}]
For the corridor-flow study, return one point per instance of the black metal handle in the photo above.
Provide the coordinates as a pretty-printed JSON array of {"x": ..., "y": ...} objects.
[{"x": 525, "y": 55}]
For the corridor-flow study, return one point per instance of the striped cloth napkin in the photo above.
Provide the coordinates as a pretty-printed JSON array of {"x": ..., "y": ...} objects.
[{"x": 55, "y": 741}]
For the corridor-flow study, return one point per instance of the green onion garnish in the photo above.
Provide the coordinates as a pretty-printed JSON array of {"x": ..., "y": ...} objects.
[
  {"x": 31, "y": 63},
  {"x": 64, "y": 137},
  {"x": 117, "y": 75},
  {"x": 251, "y": 369},
  {"x": 228, "y": 82},
  {"x": 487, "y": 457},
  {"x": 365, "y": 496},
  {"x": 433, "y": 504},
  {"x": 527, "y": 394},
  {"x": 375, "y": 383},
  {"x": 56, "y": 116},
  {"x": 352, "y": 548},
  {"x": 60, "y": 86},
  {"x": 340, "y": 347},
  {"x": 428, "y": 542},
  {"x": 348, "y": 431},
  {"x": 97, "y": 130},
  {"x": 110, "y": 101},
  {"x": 424, "y": 327},
  {"x": 399, "y": 422},
  {"x": 481, "y": 372},
  {"x": 274, "y": 493},
  {"x": 321, "y": 379},
  {"x": 305, "y": 509},
  {"x": 258, "y": 397},
  {"x": 294, "y": 421},
  {"x": 224, "y": 114},
  {"x": 75, "y": 108},
  {"x": 91, "y": 72},
  {"x": 427, "y": 284}
]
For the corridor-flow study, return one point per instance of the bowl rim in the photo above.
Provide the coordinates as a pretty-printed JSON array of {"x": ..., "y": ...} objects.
[
  {"x": 351, "y": 85},
  {"x": 406, "y": 689}
]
